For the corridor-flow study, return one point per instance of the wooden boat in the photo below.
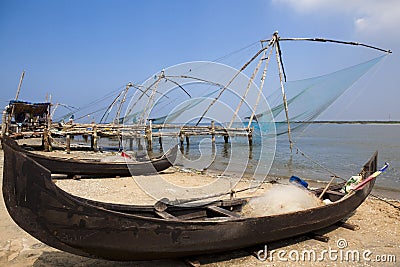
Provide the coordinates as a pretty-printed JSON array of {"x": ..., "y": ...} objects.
[
  {"x": 129, "y": 232},
  {"x": 95, "y": 167}
]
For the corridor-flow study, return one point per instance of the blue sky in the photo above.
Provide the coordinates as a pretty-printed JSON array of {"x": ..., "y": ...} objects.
[{"x": 81, "y": 50}]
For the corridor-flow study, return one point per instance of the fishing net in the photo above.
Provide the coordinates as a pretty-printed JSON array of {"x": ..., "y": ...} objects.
[
  {"x": 308, "y": 98},
  {"x": 189, "y": 95}
]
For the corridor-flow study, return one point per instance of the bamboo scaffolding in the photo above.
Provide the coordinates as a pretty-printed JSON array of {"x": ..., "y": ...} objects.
[
  {"x": 260, "y": 89},
  {"x": 255, "y": 72}
]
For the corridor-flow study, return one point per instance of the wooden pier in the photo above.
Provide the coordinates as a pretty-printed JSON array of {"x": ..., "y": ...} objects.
[{"x": 149, "y": 133}]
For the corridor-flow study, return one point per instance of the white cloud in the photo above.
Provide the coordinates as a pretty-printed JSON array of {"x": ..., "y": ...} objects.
[{"x": 370, "y": 16}]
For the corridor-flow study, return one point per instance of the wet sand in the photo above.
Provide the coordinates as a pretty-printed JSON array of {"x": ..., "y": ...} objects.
[{"x": 377, "y": 236}]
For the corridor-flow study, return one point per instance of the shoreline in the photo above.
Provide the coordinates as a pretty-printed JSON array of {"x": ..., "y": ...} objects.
[
  {"x": 378, "y": 229},
  {"x": 383, "y": 192}
]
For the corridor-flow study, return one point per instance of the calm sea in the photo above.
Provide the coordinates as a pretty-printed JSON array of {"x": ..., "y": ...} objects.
[{"x": 341, "y": 148}]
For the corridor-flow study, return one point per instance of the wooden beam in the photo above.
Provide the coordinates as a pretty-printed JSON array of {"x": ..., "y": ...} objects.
[{"x": 223, "y": 211}]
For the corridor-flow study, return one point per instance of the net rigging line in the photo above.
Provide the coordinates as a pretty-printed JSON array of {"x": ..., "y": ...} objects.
[
  {"x": 337, "y": 176},
  {"x": 90, "y": 104}
]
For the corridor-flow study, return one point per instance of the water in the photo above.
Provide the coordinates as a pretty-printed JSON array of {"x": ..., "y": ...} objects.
[
  {"x": 341, "y": 148},
  {"x": 344, "y": 148}
]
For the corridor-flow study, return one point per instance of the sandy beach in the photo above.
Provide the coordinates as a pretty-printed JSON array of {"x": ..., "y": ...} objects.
[{"x": 376, "y": 239}]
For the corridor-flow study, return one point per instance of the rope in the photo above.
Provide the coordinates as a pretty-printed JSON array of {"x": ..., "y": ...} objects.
[
  {"x": 298, "y": 151},
  {"x": 337, "y": 176}
]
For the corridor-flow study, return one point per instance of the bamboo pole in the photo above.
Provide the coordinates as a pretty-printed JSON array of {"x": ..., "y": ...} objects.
[
  {"x": 148, "y": 106},
  {"x": 187, "y": 139},
  {"x": 229, "y": 83},
  {"x": 149, "y": 136},
  {"x": 255, "y": 72},
  {"x": 283, "y": 91},
  {"x": 212, "y": 131},
  {"x": 322, "y": 40},
  {"x": 95, "y": 147},
  {"x": 260, "y": 89},
  {"x": 250, "y": 136},
  {"x": 68, "y": 144},
  {"x": 122, "y": 102},
  {"x": 20, "y": 84}
]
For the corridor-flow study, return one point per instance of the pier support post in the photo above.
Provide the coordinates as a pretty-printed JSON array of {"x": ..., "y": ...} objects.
[
  {"x": 68, "y": 144},
  {"x": 139, "y": 143},
  {"x": 149, "y": 136},
  {"x": 212, "y": 131},
  {"x": 130, "y": 144},
  {"x": 187, "y": 139},
  {"x": 93, "y": 139},
  {"x": 95, "y": 147},
  {"x": 226, "y": 138},
  {"x": 181, "y": 134},
  {"x": 250, "y": 136},
  {"x": 160, "y": 141}
]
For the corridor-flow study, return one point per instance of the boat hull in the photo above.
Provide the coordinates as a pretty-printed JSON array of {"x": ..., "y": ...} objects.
[
  {"x": 96, "y": 168},
  {"x": 125, "y": 232}
]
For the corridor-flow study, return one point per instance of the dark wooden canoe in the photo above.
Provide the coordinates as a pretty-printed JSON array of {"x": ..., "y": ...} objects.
[
  {"x": 126, "y": 232},
  {"x": 58, "y": 165}
]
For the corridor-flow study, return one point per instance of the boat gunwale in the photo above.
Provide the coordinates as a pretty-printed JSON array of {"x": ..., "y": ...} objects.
[{"x": 82, "y": 201}]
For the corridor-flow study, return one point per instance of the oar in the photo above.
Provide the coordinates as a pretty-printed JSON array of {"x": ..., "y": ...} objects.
[{"x": 371, "y": 177}]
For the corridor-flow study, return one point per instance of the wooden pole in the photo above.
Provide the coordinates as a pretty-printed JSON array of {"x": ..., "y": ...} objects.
[
  {"x": 226, "y": 138},
  {"x": 122, "y": 102},
  {"x": 229, "y": 83},
  {"x": 264, "y": 74},
  {"x": 247, "y": 88},
  {"x": 212, "y": 131},
  {"x": 91, "y": 142},
  {"x": 250, "y": 136},
  {"x": 95, "y": 147},
  {"x": 187, "y": 139},
  {"x": 160, "y": 141},
  {"x": 47, "y": 133},
  {"x": 283, "y": 91},
  {"x": 149, "y": 135},
  {"x": 68, "y": 144},
  {"x": 150, "y": 101},
  {"x": 139, "y": 143},
  {"x": 20, "y": 84},
  {"x": 181, "y": 134}
]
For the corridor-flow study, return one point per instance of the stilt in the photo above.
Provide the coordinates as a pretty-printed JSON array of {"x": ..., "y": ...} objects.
[
  {"x": 181, "y": 134},
  {"x": 95, "y": 148},
  {"x": 187, "y": 139},
  {"x": 212, "y": 131},
  {"x": 139, "y": 144},
  {"x": 130, "y": 144},
  {"x": 226, "y": 138},
  {"x": 160, "y": 141},
  {"x": 149, "y": 136},
  {"x": 68, "y": 144},
  {"x": 91, "y": 142},
  {"x": 250, "y": 136},
  {"x": 250, "y": 152}
]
